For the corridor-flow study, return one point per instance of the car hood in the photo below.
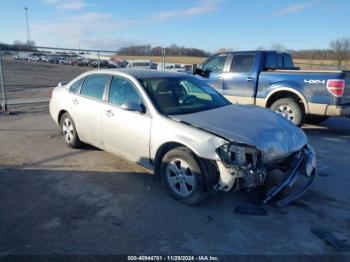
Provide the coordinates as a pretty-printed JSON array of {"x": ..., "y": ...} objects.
[{"x": 275, "y": 136}]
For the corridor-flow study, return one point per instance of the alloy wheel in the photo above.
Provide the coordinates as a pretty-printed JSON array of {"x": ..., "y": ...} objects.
[
  {"x": 68, "y": 130},
  {"x": 286, "y": 111},
  {"x": 180, "y": 177}
]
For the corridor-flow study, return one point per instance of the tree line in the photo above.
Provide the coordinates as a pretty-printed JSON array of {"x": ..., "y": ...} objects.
[
  {"x": 172, "y": 50},
  {"x": 339, "y": 50}
]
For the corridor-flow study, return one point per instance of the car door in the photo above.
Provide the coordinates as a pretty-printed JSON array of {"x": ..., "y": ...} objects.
[
  {"x": 216, "y": 65},
  {"x": 240, "y": 81},
  {"x": 126, "y": 132},
  {"x": 87, "y": 108}
]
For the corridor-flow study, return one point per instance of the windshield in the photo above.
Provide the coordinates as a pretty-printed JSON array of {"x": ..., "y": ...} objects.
[{"x": 182, "y": 95}]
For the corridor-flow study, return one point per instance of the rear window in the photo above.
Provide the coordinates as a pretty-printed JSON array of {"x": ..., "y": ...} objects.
[
  {"x": 287, "y": 61},
  {"x": 94, "y": 86},
  {"x": 242, "y": 63},
  {"x": 271, "y": 60},
  {"x": 279, "y": 61},
  {"x": 74, "y": 88}
]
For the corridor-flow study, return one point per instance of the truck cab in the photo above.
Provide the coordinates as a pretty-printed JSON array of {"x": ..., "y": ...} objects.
[{"x": 270, "y": 79}]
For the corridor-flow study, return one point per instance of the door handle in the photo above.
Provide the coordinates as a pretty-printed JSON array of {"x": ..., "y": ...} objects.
[
  {"x": 109, "y": 113},
  {"x": 75, "y": 102},
  {"x": 250, "y": 79}
]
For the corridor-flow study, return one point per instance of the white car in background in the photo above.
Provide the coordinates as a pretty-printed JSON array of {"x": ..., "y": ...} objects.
[{"x": 141, "y": 64}]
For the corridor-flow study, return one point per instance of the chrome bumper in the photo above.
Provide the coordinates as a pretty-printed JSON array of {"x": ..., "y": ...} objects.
[{"x": 333, "y": 110}]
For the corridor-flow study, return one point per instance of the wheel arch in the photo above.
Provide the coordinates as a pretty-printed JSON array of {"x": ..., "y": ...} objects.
[
  {"x": 209, "y": 167},
  {"x": 287, "y": 92},
  {"x": 161, "y": 151},
  {"x": 60, "y": 114}
]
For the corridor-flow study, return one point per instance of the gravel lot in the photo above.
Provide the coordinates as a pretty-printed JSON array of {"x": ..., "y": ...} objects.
[
  {"x": 24, "y": 79},
  {"x": 57, "y": 200}
]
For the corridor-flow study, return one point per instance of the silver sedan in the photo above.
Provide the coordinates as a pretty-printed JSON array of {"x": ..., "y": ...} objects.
[{"x": 193, "y": 139}]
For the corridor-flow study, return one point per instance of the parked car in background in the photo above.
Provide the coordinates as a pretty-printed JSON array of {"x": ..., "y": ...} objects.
[
  {"x": 181, "y": 68},
  {"x": 34, "y": 58},
  {"x": 103, "y": 63},
  {"x": 84, "y": 62},
  {"x": 44, "y": 59},
  {"x": 54, "y": 59},
  {"x": 195, "y": 140},
  {"x": 269, "y": 79},
  {"x": 65, "y": 61},
  {"x": 74, "y": 62},
  {"x": 117, "y": 62},
  {"x": 22, "y": 56},
  {"x": 141, "y": 64}
]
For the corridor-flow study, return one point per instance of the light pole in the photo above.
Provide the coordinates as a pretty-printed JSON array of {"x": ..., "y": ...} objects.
[
  {"x": 163, "y": 58},
  {"x": 2, "y": 83},
  {"x": 27, "y": 21}
]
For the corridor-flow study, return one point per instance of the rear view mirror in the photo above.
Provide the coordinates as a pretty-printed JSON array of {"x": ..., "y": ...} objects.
[{"x": 134, "y": 106}]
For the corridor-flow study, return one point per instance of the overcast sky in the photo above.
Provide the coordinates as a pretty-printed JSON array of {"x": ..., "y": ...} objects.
[{"x": 205, "y": 24}]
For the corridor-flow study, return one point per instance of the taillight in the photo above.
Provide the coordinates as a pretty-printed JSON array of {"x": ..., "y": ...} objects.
[{"x": 336, "y": 87}]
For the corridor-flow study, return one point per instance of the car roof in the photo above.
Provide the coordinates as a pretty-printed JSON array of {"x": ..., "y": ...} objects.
[{"x": 141, "y": 73}]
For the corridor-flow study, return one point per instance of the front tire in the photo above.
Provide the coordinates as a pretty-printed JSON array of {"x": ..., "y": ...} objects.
[
  {"x": 289, "y": 109},
  {"x": 69, "y": 132},
  {"x": 183, "y": 176}
]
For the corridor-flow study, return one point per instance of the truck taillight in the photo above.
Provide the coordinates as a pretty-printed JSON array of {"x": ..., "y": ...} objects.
[{"x": 336, "y": 87}]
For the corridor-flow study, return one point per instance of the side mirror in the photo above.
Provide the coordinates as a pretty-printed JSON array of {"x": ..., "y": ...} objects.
[
  {"x": 62, "y": 83},
  {"x": 134, "y": 106},
  {"x": 202, "y": 73}
]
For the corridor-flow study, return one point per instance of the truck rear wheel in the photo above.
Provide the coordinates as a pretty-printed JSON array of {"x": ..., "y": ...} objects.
[{"x": 289, "y": 109}]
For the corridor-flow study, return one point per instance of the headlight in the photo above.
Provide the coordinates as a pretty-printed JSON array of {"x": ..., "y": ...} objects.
[{"x": 233, "y": 154}]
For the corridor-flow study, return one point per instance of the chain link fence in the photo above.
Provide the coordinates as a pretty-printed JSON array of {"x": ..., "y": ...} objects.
[{"x": 28, "y": 77}]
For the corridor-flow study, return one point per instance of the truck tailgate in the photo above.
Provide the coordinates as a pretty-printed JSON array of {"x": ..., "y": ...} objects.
[{"x": 345, "y": 99}]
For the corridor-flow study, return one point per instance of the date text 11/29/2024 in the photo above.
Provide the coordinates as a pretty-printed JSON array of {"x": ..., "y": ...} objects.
[{"x": 173, "y": 258}]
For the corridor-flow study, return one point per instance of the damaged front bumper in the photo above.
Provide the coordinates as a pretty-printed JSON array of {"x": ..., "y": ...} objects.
[
  {"x": 303, "y": 164},
  {"x": 243, "y": 175}
]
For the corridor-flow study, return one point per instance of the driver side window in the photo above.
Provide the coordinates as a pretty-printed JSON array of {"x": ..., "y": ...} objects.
[
  {"x": 215, "y": 64},
  {"x": 122, "y": 91}
]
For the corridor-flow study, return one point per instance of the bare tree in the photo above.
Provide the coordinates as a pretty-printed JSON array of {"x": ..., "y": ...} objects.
[
  {"x": 341, "y": 48},
  {"x": 261, "y": 48},
  {"x": 278, "y": 47},
  {"x": 224, "y": 50},
  {"x": 30, "y": 43}
]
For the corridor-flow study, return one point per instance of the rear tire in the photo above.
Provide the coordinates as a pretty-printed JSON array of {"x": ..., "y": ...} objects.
[
  {"x": 181, "y": 173},
  {"x": 289, "y": 109},
  {"x": 69, "y": 132},
  {"x": 312, "y": 119}
]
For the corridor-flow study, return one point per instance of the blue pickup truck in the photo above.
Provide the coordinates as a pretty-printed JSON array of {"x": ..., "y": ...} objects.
[{"x": 270, "y": 79}]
